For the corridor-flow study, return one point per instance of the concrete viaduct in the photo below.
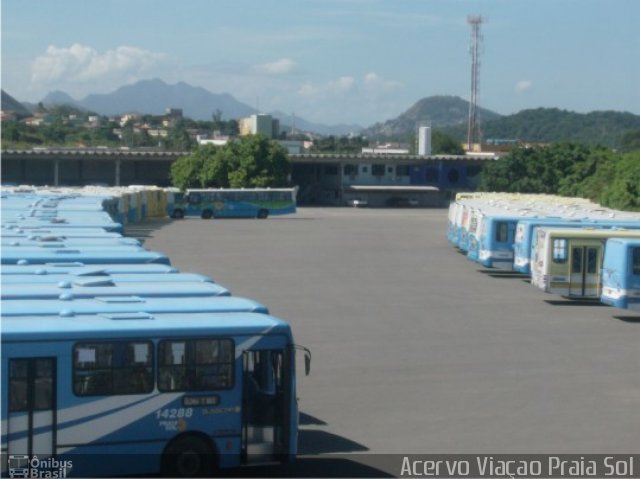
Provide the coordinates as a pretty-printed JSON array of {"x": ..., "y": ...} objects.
[{"x": 329, "y": 178}]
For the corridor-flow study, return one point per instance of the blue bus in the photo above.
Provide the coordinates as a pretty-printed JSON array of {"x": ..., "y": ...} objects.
[
  {"x": 130, "y": 304},
  {"x": 492, "y": 243},
  {"x": 233, "y": 203},
  {"x": 621, "y": 273},
  {"x": 66, "y": 290},
  {"x": 98, "y": 279},
  {"x": 525, "y": 232},
  {"x": 184, "y": 395},
  {"x": 78, "y": 268},
  {"x": 88, "y": 256}
]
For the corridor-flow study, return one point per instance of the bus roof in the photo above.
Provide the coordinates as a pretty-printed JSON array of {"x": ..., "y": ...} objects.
[
  {"x": 97, "y": 256},
  {"x": 139, "y": 325},
  {"x": 235, "y": 190},
  {"x": 63, "y": 241},
  {"x": 67, "y": 290},
  {"x": 10, "y": 231},
  {"x": 130, "y": 304},
  {"x": 56, "y": 223},
  {"x": 625, "y": 241},
  {"x": 79, "y": 268},
  {"x": 589, "y": 232},
  {"x": 90, "y": 280}
]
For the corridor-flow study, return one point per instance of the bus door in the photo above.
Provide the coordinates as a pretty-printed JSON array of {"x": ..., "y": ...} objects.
[
  {"x": 32, "y": 407},
  {"x": 266, "y": 398},
  {"x": 585, "y": 271}
]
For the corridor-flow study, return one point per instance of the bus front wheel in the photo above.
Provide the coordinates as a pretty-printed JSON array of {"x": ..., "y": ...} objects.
[
  {"x": 262, "y": 214},
  {"x": 178, "y": 214},
  {"x": 189, "y": 456},
  {"x": 207, "y": 214}
]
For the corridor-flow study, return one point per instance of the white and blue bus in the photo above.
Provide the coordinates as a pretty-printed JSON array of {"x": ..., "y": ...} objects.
[
  {"x": 233, "y": 203},
  {"x": 621, "y": 273},
  {"x": 122, "y": 395},
  {"x": 525, "y": 232}
]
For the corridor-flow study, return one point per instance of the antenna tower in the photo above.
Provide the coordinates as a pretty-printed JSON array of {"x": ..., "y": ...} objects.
[{"x": 473, "y": 130}]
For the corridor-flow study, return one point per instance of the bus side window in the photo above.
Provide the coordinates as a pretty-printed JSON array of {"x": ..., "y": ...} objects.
[
  {"x": 194, "y": 198},
  {"x": 559, "y": 250},
  {"x": 636, "y": 261},
  {"x": 111, "y": 368},
  {"x": 195, "y": 365},
  {"x": 502, "y": 232}
]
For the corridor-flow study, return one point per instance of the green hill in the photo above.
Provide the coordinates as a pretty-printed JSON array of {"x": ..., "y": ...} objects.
[
  {"x": 549, "y": 125},
  {"x": 438, "y": 111},
  {"x": 11, "y": 104}
]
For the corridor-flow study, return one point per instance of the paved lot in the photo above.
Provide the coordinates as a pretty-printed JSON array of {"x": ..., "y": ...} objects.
[{"x": 415, "y": 350}]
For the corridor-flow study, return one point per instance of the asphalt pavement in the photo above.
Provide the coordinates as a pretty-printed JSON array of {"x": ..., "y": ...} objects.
[{"x": 415, "y": 349}]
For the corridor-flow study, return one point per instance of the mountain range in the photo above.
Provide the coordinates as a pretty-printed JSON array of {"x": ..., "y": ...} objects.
[
  {"x": 155, "y": 96},
  {"x": 448, "y": 114}
]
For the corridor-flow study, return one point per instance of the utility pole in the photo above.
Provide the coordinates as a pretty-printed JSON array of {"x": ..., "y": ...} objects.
[{"x": 473, "y": 130}]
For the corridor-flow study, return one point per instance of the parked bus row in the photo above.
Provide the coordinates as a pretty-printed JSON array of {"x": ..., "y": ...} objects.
[
  {"x": 569, "y": 246},
  {"x": 133, "y": 204},
  {"x": 115, "y": 363}
]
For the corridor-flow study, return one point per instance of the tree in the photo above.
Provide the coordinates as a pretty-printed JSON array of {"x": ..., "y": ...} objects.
[
  {"x": 631, "y": 140},
  {"x": 252, "y": 161},
  {"x": 185, "y": 172},
  {"x": 178, "y": 137},
  {"x": 442, "y": 144}
]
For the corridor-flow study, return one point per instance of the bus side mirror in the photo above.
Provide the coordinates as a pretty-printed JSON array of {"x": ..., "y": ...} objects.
[
  {"x": 307, "y": 362},
  {"x": 307, "y": 359}
]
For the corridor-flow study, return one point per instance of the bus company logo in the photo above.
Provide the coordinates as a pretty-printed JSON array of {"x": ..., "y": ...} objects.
[{"x": 21, "y": 465}]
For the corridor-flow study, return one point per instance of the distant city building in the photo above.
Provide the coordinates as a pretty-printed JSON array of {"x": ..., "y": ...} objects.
[
  {"x": 294, "y": 147},
  {"x": 127, "y": 117},
  {"x": 386, "y": 149},
  {"x": 174, "y": 113},
  {"x": 260, "y": 124},
  {"x": 424, "y": 141},
  {"x": 217, "y": 141}
]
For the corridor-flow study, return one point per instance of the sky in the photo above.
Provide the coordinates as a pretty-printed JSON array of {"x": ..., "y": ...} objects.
[{"x": 331, "y": 61}]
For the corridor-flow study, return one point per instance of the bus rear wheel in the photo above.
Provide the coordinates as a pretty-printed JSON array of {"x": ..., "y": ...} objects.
[
  {"x": 178, "y": 214},
  {"x": 262, "y": 214},
  {"x": 189, "y": 456},
  {"x": 207, "y": 214}
]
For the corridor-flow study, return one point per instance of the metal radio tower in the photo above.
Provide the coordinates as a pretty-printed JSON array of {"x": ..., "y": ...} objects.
[{"x": 473, "y": 131}]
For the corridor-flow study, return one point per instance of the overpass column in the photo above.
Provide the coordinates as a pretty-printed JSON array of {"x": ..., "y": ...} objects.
[
  {"x": 117, "y": 181},
  {"x": 56, "y": 172}
]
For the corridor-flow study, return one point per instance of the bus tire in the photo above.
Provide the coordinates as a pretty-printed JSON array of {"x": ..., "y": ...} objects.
[
  {"x": 188, "y": 456},
  {"x": 207, "y": 214},
  {"x": 263, "y": 213},
  {"x": 178, "y": 214}
]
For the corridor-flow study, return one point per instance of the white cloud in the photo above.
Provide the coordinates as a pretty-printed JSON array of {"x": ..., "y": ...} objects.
[
  {"x": 522, "y": 86},
  {"x": 279, "y": 67},
  {"x": 374, "y": 82},
  {"x": 80, "y": 63},
  {"x": 341, "y": 85},
  {"x": 347, "y": 84}
]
